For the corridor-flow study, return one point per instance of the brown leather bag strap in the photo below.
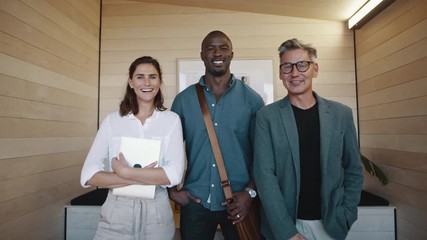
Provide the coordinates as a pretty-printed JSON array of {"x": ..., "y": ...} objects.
[{"x": 225, "y": 183}]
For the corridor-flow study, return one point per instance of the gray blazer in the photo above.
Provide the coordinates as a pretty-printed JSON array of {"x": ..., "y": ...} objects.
[{"x": 277, "y": 168}]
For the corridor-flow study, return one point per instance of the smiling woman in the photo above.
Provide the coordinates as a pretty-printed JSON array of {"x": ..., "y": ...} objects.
[{"x": 141, "y": 116}]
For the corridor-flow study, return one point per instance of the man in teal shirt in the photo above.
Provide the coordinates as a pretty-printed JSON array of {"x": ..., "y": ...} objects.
[{"x": 232, "y": 105}]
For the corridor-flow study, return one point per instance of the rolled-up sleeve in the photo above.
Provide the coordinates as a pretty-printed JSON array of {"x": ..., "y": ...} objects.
[
  {"x": 97, "y": 156},
  {"x": 174, "y": 154}
]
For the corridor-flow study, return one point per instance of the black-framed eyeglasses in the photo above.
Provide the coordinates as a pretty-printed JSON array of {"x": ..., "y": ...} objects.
[{"x": 302, "y": 66}]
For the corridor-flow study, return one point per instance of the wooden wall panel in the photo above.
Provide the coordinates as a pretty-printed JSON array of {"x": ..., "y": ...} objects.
[
  {"x": 26, "y": 166},
  {"x": 49, "y": 58},
  {"x": 395, "y": 158},
  {"x": 23, "y": 186},
  {"x": 395, "y": 59},
  {"x": 407, "y": 125},
  {"x": 390, "y": 25},
  {"x": 413, "y": 89},
  {"x": 13, "y": 67},
  {"x": 405, "y": 108},
  {"x": 392, "y": 75},
  {"x": 45, "y": 42},
  {"x": 41, "y": 211}
]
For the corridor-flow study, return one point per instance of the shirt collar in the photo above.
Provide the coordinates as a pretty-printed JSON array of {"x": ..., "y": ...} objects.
[
  {"x": 155, "y": 114},
  {"x": 231, "y": 83}
]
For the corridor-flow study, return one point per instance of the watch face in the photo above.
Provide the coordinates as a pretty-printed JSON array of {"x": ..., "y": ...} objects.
[{"x": 252, "y": 193}]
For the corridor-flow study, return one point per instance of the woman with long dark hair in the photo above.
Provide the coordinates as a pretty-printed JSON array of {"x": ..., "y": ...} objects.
[{"x": 141, "y": 115}]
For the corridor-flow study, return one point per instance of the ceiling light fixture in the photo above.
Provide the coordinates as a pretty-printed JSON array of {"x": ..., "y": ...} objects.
[{"x": 367, "y": 12}]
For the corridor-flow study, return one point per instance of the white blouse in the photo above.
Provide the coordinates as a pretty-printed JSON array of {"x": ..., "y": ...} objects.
[{"x": 162, "y": 125}]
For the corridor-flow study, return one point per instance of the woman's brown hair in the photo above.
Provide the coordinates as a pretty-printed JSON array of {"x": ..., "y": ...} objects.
[{"x": 129, "y": 103}]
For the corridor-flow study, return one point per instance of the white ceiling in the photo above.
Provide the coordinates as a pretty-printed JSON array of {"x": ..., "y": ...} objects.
[{"x": 334, "y": 10}]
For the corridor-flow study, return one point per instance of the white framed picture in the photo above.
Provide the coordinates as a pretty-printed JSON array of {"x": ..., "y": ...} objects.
[{"x": 257, "y": 73}]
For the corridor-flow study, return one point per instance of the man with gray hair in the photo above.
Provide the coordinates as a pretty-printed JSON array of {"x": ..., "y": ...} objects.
[{"x": 307, "y": 165}]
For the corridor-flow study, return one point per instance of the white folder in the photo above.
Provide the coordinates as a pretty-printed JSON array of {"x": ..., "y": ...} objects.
[{"x": 142, "y": 152}]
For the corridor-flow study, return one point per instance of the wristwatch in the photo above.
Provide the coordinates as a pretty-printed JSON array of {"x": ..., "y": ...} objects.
[{"x": 251, "y": 192}]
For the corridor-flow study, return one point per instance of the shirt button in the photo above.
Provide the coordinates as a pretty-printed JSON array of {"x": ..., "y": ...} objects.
[
  {"x": 213, "y": 165},
  {"x": 216, "y": 124},
  {"x": 212, "y": 185},
  {"x": 213, "y": 104}
]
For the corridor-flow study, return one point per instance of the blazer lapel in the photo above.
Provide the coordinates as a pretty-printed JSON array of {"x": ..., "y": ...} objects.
[
  {"x": 326, "y": 128},
  {"x": 288, "y": 120}
]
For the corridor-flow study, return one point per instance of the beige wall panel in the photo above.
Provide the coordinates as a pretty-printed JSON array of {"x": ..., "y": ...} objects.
[
  {"x": 20, "y": 89},
  {"x": 46, "y": 231},
  {"x": 21, "y": 206},
  {"x": 398, "y": 193},
  {"x": 34, "y": 55},
  {"x": 19, "y": 108},
  {"x": 331, "y": 52},
  {"x": 37, "y": 219},
  {"x": 390, "y": 23},
  {"x": 349, "y": 101},
  {"x": 414, "y": 179},
  {"x": 13, "y": 67},
  {"x": 399, "y": 159},
  {"x": 115, "y": 81},
  {"x": 23, "y": 147},
  {"x": 110, "y": 105},
  {"x": 413, "y": 89},
  {"x": 22, "y": 186},
  {"x": 44, "y": 33},
  {"x": 337, "y": 65},
  {"x": 141, "y": 44},
  {"x": 401, "y": 41},
  {"x": 335, "y": 90},
  {"x": 56, "y": 47},
  {"x": 35, "y": 211},
  {"x": 410, "y": 143},
  {"x": 115, "y": 93},
  {"x": 214, "y": 19},
  {"x": 32, "y": 165},
  {"x": 90, "y": 9},
  {"x": 406, "y": 108},
  {"x": 80, "y": 19},
  {"x": 409, "y": 230},
  {"x": 31, "y": 128},
  {"x": 130, "y": 8},
  {"x": 160, "y": 54},
  {"x": 273, "y": 29},
  {"x": 395, "y": 59},
  {"x": 117, "y": 68},
  {"x": 399, "y": 75},
  {"x": 48, "y": 105},
  {"x": 414, "y": 215},
  {"x": 335, "y": 77},
  {"x": 407, "y": 125},
  {"x": 87, "y": 32}
]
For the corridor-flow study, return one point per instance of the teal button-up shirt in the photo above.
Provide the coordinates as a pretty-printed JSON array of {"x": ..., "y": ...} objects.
[{"x": 233, "y": 118}]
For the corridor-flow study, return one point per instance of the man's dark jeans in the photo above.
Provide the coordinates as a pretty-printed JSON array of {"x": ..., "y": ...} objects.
[{"x": 198, "y": 223}]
